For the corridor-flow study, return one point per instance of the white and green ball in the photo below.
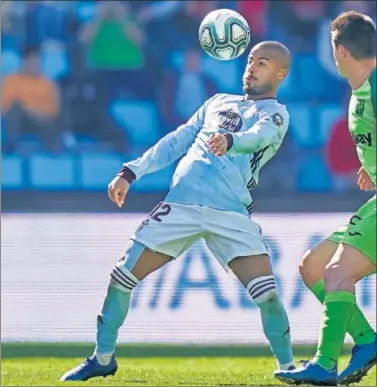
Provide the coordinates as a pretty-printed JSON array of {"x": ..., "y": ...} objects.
[{"x": 224, "y": 34}]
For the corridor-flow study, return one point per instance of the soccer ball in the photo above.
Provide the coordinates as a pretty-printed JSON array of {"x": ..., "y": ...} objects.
[{"x": 224, "y": 34}]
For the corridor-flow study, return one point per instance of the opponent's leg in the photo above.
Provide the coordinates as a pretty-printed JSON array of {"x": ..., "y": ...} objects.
[
  {"x": 255, "y": 273},
  {"x": 137, "y": 264},
  {"x": 345, "y": 269},
  {"x": 312, "y": 269}
]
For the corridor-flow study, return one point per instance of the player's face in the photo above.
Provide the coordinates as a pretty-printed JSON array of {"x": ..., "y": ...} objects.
[{"x": 261, "y": 74}]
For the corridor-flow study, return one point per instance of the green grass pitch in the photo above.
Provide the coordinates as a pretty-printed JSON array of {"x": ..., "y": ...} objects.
[
  {"x": 145, "y": 366},
  {"x": 152, "y": 372}
]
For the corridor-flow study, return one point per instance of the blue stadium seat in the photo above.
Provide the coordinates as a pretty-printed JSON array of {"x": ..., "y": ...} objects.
[
  {"x": 55, "y": 61},
  {"x": 52, "y": 172},
  {"x": 300, "y": 124},
  {"x": 9, "y": 41},
  {"x": 86, "y": 11},
  {"x": 313, "y": 175},
  {"x": 311, "y": 76},
  {"x": 11, "y": 172},
  {"x": 98, "y": 169},
  {"x": 10, "y": 62},
  {"x": 139, "y": 119},
  {"x": 310, "y": 126}
]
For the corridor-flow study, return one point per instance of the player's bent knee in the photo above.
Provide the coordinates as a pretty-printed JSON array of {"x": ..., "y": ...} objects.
[
  {"x": 308, "y": 268},
  {"x": 123, "y": 279},
  {"x": 314, "y": 261},
  {"x": 305, "y": 264},
  {"x": 121, "y": 276},
  {"x": 337, "y": 278},
  {"x": 262, "y": 289}
]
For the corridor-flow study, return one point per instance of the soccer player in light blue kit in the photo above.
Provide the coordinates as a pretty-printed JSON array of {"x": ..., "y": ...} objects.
[{"x": 224, "y": 146}]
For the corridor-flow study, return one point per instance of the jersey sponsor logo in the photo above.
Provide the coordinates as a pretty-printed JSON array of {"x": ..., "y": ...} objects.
[
  {"x": 230, "y": 120},
  {"x": 363, "y": 138},
  {"x": 359, "y": 110}
]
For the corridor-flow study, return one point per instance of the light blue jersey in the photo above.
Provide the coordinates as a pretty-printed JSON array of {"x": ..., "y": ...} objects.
[{"x": 224, "y": 183}]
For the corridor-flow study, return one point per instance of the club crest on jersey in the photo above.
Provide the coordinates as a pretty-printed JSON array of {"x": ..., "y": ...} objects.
[
  {"x": 230, "y": 120},
  {"x": 278, "y": 119},
  {"x": 359, "y": 111}
]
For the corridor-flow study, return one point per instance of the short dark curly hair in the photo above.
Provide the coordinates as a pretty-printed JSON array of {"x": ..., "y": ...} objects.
[{"x": 356, "y": 32}]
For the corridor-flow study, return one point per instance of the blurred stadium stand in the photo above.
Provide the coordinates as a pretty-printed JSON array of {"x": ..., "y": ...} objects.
[{"x": 126, "y": 73}]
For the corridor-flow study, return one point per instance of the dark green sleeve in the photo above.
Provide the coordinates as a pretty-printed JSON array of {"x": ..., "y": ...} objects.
[{"x": 372, "y": 81}]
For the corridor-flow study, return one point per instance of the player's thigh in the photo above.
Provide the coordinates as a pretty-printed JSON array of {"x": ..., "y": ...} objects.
[
  {"x": 141, "y": 261},
  {"x": 231, "y": 235},
  {"x": 250, "y": 267},
  {"x": 316, "y": 259},
  {"x": 348, "y": 266},
  {"x": 170, "y": 229},
  {"x": 137, "y": 263},
  {"x": 361, "y": 231}
]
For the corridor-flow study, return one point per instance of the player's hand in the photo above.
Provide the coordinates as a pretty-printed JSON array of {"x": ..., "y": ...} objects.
[
  {"x": 218, "y": 144},
  {"x": 365, "y": 183},
  {"x": 117, "y": 190}
]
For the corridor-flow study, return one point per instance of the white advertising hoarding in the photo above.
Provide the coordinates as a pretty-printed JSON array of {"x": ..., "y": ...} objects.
[{"x": 55, "y": 271}]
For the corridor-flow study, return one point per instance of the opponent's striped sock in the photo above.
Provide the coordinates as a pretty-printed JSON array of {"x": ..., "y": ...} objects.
[
  {"x": 358, "y": 327},
  {"x": 114, "y": 312},
  {"x": 274, "y": 319}
]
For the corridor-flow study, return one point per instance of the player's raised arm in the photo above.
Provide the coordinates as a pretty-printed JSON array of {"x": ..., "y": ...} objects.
[
  {"x": 269, "y": 130},
  {"x": 167, "y": 150}
]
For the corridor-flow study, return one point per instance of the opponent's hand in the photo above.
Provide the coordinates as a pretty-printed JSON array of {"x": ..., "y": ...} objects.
[
  {"x": 218, "y": 144},
  {"x": 117, "y": 190},
  {"x": 365, "y": 183}
]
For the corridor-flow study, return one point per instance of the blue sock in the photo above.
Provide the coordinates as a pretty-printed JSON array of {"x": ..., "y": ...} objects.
[
  {"x": 274, "y": 319},
  {"x": 114, "y": 312},
  {"x": 114, "y": 309}
]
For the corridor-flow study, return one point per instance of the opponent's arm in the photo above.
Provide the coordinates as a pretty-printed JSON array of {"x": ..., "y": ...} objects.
[{"x": 269, "y": 130}]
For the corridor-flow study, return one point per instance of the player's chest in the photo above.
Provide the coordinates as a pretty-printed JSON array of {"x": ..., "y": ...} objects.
[
  {"x": 230, "y": 117},
  {"x": 361, "y": 115},
  {"x": 361, "y": 121}
]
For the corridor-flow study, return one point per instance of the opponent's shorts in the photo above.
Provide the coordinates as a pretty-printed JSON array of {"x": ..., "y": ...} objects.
[
  {"x": 172, "y": 228},
  {"x": 361, "y": 230}
]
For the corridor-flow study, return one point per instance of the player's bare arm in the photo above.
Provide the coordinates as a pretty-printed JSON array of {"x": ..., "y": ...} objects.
[
  {"x": 117, "y": 190},
  {"x": 364, "y": 182}
]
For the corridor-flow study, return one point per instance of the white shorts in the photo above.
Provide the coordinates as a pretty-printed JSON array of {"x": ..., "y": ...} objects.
[{"x": 172, "y": 228}]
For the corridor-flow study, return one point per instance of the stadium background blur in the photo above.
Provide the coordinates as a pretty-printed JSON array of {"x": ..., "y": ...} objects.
[{"x": 114, "y": 77}]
